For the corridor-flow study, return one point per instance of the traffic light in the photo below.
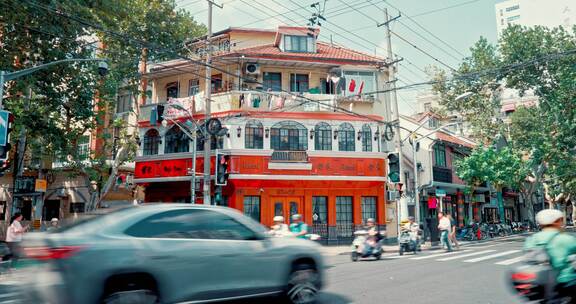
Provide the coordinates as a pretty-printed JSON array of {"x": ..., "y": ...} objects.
[
  {"x": 6, "y": 120},
  {"x": 222, "y": 167},
  {"x": 160, "y": 113},
  {"x": 393, "y": 167}
]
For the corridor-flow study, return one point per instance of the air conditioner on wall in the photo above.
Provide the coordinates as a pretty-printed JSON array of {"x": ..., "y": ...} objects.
[{"x": 252, "y": 69}]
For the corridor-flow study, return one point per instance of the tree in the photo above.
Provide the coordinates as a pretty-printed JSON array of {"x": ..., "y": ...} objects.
[
  {"x": 498, "y": 167},
  {"x": 62, "y": 106},
  {"x": 534, "y": 59}
]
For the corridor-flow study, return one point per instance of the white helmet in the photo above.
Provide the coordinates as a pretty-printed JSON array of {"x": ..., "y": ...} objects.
[
  {"x": 548, "y": 216},
  {"x": 278, "y": 218}
]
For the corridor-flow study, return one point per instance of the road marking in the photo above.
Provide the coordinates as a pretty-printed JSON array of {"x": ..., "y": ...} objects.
[
  {"x": 479, "y": 246},
  {"x": 511, "y": 261},
  {"x": 465, "y": 255},
  {"x": 492, "y": 256},
  {"x": 438, "y": 255}
]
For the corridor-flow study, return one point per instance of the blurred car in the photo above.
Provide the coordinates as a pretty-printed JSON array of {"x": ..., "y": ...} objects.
[{"x": 169, "y": 253}]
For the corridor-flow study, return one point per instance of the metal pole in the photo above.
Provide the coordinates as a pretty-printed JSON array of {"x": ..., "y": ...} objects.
[
  {"x": 401, "y": 205},
  {"x": 1, "y": 89},
  {"x": 416, "y": 190},
  {"x": 193, "y": 180},
  {"x": 208, "y": 97}
]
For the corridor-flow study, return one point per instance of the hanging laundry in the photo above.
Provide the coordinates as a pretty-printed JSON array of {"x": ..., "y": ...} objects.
[
  {"x": 281, "y": 102},
  {"x": 351, "y": 107},
  {"x": 256, "y": 101},
  {"x": 335, "y": 79},
  {"x": 241, "y": 101},
  {"x": 328, "y": 77},
  {"x": 352, "y": 86},
  {"x": 361, "y": 88},
  {"x": 249, "y": 99}
]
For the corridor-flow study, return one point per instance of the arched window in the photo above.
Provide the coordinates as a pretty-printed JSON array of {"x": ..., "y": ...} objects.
[
  {"x": 366, "y": 138},
  {"x": 346, "y": 137},
  {"x": 323, "y": 140},
  {"x": 176, "y": 141},
  {"x": 289, "y": 136},
  {"x": 254, "y": 135},
  {"x": 151, "y": 142}
]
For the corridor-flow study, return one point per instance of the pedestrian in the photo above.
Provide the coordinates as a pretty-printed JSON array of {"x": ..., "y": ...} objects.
[
  {"x": 298, "y": 227},
  {"x": 14, "y": 236},
  {"x": 54, "y": 225},
  {"x": 445, "y": 227},
  {"x": 452, "y": 235},
  {"x": 279, "y": 229}
]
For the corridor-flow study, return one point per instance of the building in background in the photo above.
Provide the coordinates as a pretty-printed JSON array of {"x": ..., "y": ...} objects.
[
  {"x": 548, "y": 13},
  {"x": 282, "y": 95}
]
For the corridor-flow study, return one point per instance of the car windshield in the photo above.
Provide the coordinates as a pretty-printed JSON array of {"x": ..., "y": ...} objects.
[{"x": 90, "y": 217}]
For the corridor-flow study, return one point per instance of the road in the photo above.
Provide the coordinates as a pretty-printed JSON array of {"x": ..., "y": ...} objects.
[{"x": 474, "y": 274}]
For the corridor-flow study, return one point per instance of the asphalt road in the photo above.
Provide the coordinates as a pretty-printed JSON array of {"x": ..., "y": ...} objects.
[{"x": 474, "y": 274}]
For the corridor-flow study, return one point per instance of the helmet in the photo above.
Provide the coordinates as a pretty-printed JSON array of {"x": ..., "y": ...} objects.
[
  {"x": 278, "y": 218},
  {"x": 54, "y": 220},
  {"x": 548, "y": 216},
  {"x": 370, "y": 220},
  {"x": 411, "y": 218},
  {"x": 296, "y": 217}
]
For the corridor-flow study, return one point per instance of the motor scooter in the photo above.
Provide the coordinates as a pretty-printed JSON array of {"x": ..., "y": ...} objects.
[
  {"x": 407, "y": 243},
  {"x": 359, "y": 243}
]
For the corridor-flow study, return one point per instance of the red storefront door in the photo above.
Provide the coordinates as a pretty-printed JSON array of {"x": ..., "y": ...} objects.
[{"x": 286, "y": 206}]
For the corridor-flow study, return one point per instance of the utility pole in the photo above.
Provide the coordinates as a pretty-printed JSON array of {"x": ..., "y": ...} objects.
[
  {"x": 401, "y": 206},
  {"x": 208, "y": 100}
]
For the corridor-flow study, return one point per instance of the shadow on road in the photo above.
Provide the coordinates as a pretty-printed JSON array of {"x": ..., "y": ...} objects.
[{"x": 325, "y": 298}]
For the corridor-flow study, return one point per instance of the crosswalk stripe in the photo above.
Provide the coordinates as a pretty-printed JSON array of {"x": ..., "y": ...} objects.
[
  {"x": 479, "y": 246},
  {"x": 492, "y": 256},
  {"x": 511, "y": 261},
  {"x": 465, "y": 255},
  {"x": 437, "y": 255}
]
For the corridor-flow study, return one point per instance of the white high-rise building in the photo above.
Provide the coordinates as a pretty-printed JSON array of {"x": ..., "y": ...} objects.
[{"x": 549, "y": 13}]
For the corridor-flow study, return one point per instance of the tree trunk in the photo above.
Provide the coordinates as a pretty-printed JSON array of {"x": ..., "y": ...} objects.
[{"x": 573, "y": 202}]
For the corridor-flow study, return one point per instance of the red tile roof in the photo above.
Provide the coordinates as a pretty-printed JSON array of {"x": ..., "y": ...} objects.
[
  {"x": 325, "y": 53},
  {"x": 452, "y": 139}
]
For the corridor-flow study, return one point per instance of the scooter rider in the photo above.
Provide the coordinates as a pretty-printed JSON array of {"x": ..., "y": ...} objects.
[
  {"x": 373, "y": 238},
  {"x": 562, "y": 247},
  {"x": 413, "y": 228}
]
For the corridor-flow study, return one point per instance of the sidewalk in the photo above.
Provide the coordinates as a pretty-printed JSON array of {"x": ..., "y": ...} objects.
[{"x": 344, "y": 250}]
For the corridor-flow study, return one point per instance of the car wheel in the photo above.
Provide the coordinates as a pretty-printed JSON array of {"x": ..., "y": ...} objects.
[
  {"x": 302, "y": 285},
  {"x": 354, "y": 256},
  {"x": 401, "y": 251},
  {"x": 141, "y": 296}
]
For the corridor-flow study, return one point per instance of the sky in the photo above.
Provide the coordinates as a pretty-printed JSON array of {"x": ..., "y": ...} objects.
[{"x": 429, "y": 32}]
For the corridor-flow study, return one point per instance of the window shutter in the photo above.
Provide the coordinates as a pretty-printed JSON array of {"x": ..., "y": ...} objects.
[
  {"x": 311, "y": 47},
  {"x": 287, "y": 43}
]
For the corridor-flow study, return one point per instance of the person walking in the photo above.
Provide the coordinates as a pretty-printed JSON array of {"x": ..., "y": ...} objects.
[
  {"x": 14, "y": 236},
  {"x": 452, "y": 235},
  {"x": 445, "y": 227},
  {"x": 54, "y": 225}
]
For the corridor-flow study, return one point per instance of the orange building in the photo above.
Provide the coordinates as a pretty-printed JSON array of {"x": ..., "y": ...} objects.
[{"x": 293, "y": 147}]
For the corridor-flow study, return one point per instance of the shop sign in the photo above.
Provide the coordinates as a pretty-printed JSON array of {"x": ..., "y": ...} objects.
[
  {"x": 41, "y": 185},
  {"x": 440, "y": 192}
]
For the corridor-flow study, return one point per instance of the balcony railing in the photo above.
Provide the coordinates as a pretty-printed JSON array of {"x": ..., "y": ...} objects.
[
  {"x": 268, "y": 101},
  {"x": 442, "y": 175},
  {"x": 289, "y": 157}
]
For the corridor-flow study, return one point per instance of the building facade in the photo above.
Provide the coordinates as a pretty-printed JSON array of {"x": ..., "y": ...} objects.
[
  {"x": 292, "y": 143},
  {"x": 531, "y": 12}
]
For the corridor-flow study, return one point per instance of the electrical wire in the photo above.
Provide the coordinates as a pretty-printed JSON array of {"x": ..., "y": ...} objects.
[{"x": 444, "y": 8}]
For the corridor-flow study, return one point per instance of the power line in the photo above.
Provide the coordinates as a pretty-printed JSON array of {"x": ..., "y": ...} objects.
[
  {"x": 444, "y": 8},
  {"x": 426, "y": 30}
]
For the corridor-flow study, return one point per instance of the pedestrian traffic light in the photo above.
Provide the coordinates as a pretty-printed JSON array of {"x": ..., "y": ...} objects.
[
  {"x": 160, "y": 113},
  {"x": 6, "y": 120},
  {"x": 393, "y": 167},
  {"x": 222, "y": 167}
]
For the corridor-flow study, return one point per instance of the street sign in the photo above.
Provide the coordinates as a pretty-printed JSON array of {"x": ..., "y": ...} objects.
[
  {"x": 4, "y": 121},
  {"x": 440, "y": 192},
  {"x": 41, "y": 185}
]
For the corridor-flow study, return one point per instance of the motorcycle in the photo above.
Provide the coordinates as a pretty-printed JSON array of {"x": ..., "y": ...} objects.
[
  {"x": 360, "y": 238},
  {"x": 407, "y": 243},
  {"x": 5, "y": 257}
]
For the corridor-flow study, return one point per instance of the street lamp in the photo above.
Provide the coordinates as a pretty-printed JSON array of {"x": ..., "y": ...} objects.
[
  {"x": 8, "y": 76},
  {"x": 415, "y": 142}
]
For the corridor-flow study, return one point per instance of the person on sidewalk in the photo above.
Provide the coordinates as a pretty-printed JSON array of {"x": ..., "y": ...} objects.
[
  {"x": 452, "y": 235},
  {"x": 561, "y": 248},
  {"x": 14, "y": 236},
  {"x": 445, "y": 227},
  {"x": 298, "y": 227}
]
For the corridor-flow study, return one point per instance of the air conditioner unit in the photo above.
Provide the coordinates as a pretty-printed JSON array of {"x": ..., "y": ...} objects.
[{"x": 252, "y": 68}]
